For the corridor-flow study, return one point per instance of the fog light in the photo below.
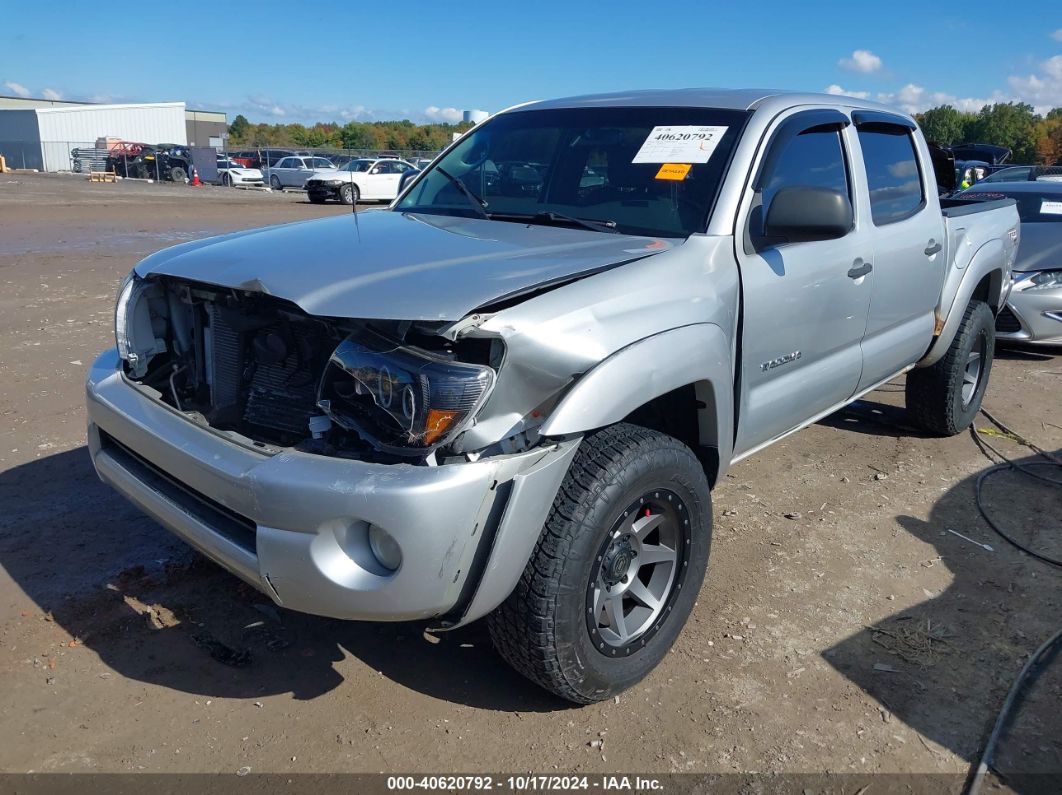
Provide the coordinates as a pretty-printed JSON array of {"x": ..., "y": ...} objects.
[{"x": 384, "y": 548}]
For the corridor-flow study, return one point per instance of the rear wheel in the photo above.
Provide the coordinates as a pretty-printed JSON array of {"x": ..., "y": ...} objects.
[
  {"x": 177, "y": 174},
  {"x": 944, "y": 398},
  {"x": 616, "y": 570},
  {"x": 348, "y": 194}
]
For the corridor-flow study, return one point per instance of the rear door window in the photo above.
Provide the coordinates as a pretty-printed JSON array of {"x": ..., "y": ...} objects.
[{"x": 893, "y": 175}]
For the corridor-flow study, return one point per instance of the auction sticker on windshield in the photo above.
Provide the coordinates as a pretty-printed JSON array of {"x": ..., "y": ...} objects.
[
  {"x": 680, "y": 144},
  {"x": 674, "y": 171}
]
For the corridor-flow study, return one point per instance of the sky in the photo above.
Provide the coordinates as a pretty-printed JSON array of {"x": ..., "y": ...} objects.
[{"x": 428, "y": 61}]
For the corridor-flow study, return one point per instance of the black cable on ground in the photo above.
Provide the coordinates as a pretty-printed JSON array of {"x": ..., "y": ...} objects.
[
  {"x": 979, "y": 772},
  {"x": 983, "y": 762}
]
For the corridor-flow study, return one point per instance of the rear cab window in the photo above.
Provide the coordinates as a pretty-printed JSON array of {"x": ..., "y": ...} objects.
[{"x": 894, "y": 176}]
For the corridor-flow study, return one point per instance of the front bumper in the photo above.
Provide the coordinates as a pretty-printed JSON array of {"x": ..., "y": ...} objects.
[
  {"x": 327, "y": 191},
  {"x": 1032, "y": 317},
  {"x": 295, "y": 525}
]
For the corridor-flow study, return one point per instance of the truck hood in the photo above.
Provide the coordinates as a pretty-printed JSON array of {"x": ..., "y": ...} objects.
[
  {"x": 398, "y": 266},
  {"x": 1040, "y": 247}
]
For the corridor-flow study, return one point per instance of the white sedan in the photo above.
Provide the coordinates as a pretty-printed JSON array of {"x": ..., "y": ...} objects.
[
  {"x": 365, "y": 179},
  {"x": 232, "y": 175}
]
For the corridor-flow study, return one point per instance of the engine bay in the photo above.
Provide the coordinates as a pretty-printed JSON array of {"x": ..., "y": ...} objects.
[{"x": 253, "y": 364}]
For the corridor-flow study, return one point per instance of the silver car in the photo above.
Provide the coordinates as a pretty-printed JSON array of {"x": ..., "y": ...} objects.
[
  {"x": 1033, "y": 313},
  {"x": 294, "y": 170}
]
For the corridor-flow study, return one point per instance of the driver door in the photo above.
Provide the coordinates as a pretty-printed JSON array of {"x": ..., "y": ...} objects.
[{"x": 805, "y": 302}]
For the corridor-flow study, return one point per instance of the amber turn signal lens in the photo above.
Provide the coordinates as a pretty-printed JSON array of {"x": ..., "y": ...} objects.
[{"x": 438, "y": 422}]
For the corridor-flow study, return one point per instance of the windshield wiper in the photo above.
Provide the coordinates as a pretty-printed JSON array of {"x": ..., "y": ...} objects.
[
  {"x": 549, "y": 216},
  {"x": 478, "y": 203}
]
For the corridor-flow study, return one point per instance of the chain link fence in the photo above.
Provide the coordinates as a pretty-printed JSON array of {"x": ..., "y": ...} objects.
[{"x": 85, "y": 157}]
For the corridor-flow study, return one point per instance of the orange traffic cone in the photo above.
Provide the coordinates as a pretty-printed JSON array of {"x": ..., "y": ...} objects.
[{"x": 195, "y": 178}]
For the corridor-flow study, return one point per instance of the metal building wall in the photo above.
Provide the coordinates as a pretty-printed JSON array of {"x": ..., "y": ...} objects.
[{"x": 61, "y": 129}]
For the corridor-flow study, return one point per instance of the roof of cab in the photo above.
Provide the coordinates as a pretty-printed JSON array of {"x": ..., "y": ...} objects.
[{"x": 726, "y": 98}]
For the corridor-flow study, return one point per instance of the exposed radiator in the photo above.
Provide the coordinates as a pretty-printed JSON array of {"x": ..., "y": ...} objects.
[
  {"x": 279, "y": 395},
  {"x": 225, "y": 348}
]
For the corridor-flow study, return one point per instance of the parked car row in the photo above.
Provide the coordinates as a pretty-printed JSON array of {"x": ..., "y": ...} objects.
[{"x": 340, "y": 178}]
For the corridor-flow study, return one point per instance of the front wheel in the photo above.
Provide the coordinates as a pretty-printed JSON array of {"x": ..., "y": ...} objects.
[
  {"x": 616, "y": 570},
  {"x": 944, "y": 398},
  {"x": 274, "y": 182},
  {"x": 348, "y": 194}
]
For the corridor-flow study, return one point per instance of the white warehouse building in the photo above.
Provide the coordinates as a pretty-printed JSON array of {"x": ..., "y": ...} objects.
[{"x": 42, "y": 137}]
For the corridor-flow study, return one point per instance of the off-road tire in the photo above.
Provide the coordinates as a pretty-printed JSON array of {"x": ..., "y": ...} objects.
[
  {"x": 542, "y": 629},
  {"x": 349, "y": 194},
  {"x": 934, "y": 394}
]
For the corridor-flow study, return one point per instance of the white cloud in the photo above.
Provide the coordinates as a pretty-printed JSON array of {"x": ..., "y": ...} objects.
[
  {"x": 913, "y": 98},
  {"x": 17, "y": 88},
  {"x": 434, "y": 113},
  {"x": 863, "y": 61},
  {"x": 1057, "y": 35},
  {"x": 1042, "y": 90},
  {"x": 51, "y": 93},
  {"x": 836, "y": 90}
]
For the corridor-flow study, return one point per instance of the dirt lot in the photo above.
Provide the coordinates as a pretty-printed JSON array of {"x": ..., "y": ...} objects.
[{"x": 841, "y": 628}]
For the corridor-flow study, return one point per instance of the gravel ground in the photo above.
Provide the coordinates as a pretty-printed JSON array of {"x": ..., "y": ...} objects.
[{"x": 841, "y": 627}]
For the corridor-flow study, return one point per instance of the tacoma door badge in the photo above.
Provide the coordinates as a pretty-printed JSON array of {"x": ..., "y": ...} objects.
[{"x": 789, "y": 357}]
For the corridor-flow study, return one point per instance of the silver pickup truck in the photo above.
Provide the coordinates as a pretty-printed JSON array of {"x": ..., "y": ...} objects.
[{"x": 510, "y": 393}]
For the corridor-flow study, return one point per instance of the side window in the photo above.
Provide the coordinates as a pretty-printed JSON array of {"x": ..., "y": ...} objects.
[
  {"x": 285, "y": 162},
  {"x": 815, "y": 158},
  {"x": 893, "y": 176}
]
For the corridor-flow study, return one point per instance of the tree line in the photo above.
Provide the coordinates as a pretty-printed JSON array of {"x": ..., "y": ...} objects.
[
  {"x": 1032, "y": 138},
  {"x": 376, "y": 135}
]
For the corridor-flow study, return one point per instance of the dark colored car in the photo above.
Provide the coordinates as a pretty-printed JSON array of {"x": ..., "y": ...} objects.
[
  {"x": 989, "y": 153},
  {"x": 171, "y": 162}
]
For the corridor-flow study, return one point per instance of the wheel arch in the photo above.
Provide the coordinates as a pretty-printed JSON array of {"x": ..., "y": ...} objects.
[
  {"x": 679, "y": 382},
  {"x": 983, "y": 281}
]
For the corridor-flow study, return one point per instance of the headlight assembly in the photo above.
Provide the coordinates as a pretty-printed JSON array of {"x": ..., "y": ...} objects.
[
  {"x": 404, "y": 400},
  {"x": 1044, "y": 280},
  {"x": 135, "y": 334}
]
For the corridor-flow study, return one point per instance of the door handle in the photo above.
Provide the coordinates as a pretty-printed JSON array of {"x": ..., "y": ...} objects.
[
  {"x": 858, "y": 270},
  {"x": 933, "y": 247}
]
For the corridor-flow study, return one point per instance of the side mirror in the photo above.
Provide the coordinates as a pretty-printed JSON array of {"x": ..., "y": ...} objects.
[{"x": 802, "y": 212}]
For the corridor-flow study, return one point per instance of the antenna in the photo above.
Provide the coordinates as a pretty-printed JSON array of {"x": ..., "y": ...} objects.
[{"x": 354, "y": 201}]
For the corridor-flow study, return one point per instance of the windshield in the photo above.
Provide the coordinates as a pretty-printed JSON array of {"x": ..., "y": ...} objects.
[
  {"x": 357, "y": 165},
  {"x": 1033, "y": 206},
  {"x": 647, "y": 171}
]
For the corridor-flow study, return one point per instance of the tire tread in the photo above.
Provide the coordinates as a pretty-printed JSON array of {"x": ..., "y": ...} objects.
[{"x": 522, "y": 629}]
